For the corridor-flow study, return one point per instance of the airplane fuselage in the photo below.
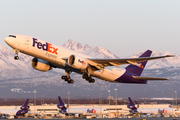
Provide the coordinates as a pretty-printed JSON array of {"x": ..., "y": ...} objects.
[
  {"x": 88, "y": 111},
  {"x": 158, "y": 110}
]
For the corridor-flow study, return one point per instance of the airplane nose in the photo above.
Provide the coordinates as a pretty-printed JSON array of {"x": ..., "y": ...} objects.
[{"x": 6, "y": 40}]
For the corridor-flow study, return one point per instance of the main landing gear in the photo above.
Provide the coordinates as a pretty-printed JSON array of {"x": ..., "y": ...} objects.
[
  {"x": 87, "y": 78},
  {"x": 67, "y": 77}
]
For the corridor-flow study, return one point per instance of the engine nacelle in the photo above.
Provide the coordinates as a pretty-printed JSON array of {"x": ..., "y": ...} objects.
[
  {"x": 77, "y": 62},
  {"x": 39, "y": 65}
]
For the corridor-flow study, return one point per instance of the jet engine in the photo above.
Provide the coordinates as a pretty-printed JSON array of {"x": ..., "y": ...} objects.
[
  {"x": 40, "y": 65},
  {"x": 77, "y": 62}
]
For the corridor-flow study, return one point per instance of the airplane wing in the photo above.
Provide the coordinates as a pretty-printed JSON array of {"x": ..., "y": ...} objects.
[
  {"x": 149, "y": 78},
  {"x": 101, "y": 63}
]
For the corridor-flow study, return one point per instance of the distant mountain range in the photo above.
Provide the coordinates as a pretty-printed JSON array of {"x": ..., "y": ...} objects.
[
  {"x": 101, "y": 52},
  {"x": 19, "y": 79}
]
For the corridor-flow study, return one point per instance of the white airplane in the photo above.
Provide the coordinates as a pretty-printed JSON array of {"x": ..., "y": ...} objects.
[
  {"x": 80, "y": 111},
  {"x": 134, "y": 109},
  {"x": 47, "y": 55},
  {"x": 15, "y": 113}
]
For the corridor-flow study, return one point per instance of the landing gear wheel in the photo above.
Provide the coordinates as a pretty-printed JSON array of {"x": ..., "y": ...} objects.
[
  {"x": 84, "y": 76},
  {"x": 16, "y": 57},
  {"x": 66, "y": 79},
  {"x": 72, "y": 81},
  {"x": 93, "y": 80},
  {"x": 88, "y": 78},
  {"x": 63, "y": 77}
]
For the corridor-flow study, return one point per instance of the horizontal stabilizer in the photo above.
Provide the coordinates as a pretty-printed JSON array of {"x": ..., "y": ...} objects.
[{"x": 149, "y": 78}]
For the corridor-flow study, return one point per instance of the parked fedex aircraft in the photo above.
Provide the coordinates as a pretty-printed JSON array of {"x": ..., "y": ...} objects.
[
  {"x": 15, "y": 113},
  {"x": 134, "y": 109},
  {"x": 48, "y": 56},
  {"x": 80, "y": 111}
]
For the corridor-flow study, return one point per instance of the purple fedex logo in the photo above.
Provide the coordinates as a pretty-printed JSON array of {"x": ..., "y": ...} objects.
[
  {"x": 46, "y": 47},
  {"x": 162, "y": 111},
  {"x": 91, "y": 111},
  {"x": 81, "y": 61}
]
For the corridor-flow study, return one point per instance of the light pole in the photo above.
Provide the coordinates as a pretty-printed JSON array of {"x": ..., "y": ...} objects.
[
  {"x": 35, "y": 101},
  {"x": 172, "y": 103},
  {"x": 176, "y": 97},
  {"x": 116, "y": 99},
  {"x": 109, "y": 97},
  {"x": 100, "y": 95},
  {"x": 68, "y": 101}
]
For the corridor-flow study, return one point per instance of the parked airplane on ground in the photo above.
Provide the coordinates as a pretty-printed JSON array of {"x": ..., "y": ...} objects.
[
  {"x": 46, "y": 56},
  {"x": 15, "y": 113},
  {"x": 134, "y": 109},
  {"x": 80, "y": 111}
]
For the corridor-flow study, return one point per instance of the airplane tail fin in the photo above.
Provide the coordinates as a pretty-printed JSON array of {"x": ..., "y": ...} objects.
[
  {"x": 132, "y": 106},
  {"x": 24, "y": 109},
  {"x": 61, "y": 102},
  {"x": 131, "y": 102},
  {"x": 26, "y": 102},
  {"x": 61, "y": 105},
  {"x": 25, "y": 105},
  {"x": 138, "y": 69}
]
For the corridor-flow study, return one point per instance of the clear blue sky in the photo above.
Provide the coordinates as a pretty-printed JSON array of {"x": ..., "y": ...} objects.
[{"x": 124, "y": 27}]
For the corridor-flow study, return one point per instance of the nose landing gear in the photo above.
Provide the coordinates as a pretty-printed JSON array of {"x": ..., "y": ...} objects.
[
  {"x": 16, "y": 52},
  {"x": 16, "y": 57}
]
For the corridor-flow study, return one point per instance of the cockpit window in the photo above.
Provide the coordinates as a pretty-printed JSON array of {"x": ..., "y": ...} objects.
[{"x": 12, "y": 36}]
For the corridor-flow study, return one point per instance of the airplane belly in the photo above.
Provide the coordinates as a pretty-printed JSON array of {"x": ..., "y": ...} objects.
[{"x": 110, "y": 74}]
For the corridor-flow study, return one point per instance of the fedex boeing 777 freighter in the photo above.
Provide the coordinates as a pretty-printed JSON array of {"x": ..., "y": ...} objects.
[{"x": 48, "y": 56}]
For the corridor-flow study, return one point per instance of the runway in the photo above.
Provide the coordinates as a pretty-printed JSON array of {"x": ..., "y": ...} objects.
[{"x": 159, "y": 118}]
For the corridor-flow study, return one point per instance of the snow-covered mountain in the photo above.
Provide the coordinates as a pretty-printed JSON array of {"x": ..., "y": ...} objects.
[{"x": 98, "y": 52}]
